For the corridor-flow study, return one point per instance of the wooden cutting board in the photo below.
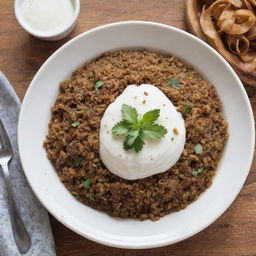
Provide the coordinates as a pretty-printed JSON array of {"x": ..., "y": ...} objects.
[{"x": 21, "y": 56}]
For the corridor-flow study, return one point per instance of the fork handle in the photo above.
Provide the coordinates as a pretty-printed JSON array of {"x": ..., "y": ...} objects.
[{"x": 20, "y": 233}]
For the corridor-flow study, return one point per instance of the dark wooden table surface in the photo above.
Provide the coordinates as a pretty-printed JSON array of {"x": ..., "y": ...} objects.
[{"x": 21, "y": 55}]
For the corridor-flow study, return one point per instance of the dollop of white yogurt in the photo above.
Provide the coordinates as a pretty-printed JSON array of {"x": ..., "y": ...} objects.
[{"x": 157, "y": 155}]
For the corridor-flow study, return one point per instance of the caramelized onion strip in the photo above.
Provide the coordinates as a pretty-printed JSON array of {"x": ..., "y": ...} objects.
[
  {"x": 238, "y": 45},
  {"x": 244, "y": 20}
]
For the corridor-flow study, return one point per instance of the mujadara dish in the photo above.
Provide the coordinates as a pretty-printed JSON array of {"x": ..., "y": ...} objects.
[{"x": 136, "y": 134}]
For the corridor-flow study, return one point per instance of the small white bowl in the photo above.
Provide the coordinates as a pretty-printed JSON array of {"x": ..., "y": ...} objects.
[
  {"x": 44, "y": 35},
  {"x": 128, "y": 233}
]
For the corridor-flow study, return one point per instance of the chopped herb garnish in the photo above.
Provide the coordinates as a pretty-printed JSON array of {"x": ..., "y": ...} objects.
[
  {"x": 172, "y": 139},
  {"x": 137, "y": 127},
  {"x": 75, "y": 124},
  {"x": 77, "y": 161},
  {"x": 173, "y": 83},
  {"x": 198, "y": 171},
  {"x": 186, "y": 109},
  {"x": 166, "y": 67},
  {"x": 198, "y": 149},
  {"x": 87, "y": 183},
  {"x": 97, "y": 85}
]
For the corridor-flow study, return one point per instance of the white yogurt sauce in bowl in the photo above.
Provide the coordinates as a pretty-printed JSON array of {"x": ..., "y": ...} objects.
[
  {"x": 47, "y": 15},
  {"x": 157, "y": 155},
  {"x": 47, "y": 19}
]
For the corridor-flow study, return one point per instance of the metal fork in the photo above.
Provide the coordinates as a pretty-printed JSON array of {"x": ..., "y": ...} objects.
[{"x": 19, "y": 231}]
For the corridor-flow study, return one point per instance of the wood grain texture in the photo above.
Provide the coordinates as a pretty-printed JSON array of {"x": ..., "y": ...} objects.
[{"x": 21, "y": 55}]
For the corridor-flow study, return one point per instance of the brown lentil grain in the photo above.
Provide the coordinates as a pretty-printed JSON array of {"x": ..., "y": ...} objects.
[{"x": 155, "y": 196}]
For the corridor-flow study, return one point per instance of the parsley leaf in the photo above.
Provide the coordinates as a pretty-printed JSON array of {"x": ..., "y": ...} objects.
[
  {"x": 198, "y": 171},
  {"x": 138, "y": 144},
  {"x": 97, "y": 85},
  {"x": 125, "y": 144},
  {"x": 150, "y": 116},
  {"x": 134, "y": 140},
  {"x": 121, "y": 128},
  {"x": 198, "y": 149},
  {"x": 75, "y": 124},
  {"x": 136, "y": 127},
  {"x": 129, "y": 113},
  {"x": 173, "y": 83},
  {"x": 132, "y": 136},
  {"x": 154, "y": 131},
  {"x": 87, "y": 183}
]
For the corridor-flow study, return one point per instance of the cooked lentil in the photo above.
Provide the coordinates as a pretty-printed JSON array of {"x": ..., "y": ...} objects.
[{"x": 74, "y": 150}]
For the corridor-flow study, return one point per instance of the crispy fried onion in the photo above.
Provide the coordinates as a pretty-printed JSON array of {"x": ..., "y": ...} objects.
[
  {"x": 238, "y": 45},
  {"x": 236, "y": 22},
  {"x": 253, "y": 2},
  {"x": 230, "y": 26},
  {"x": 247, "y": 5}
]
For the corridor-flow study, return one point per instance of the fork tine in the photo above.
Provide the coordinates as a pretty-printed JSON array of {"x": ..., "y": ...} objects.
[
  {"x": 4, "y": 137},
  {"x": 1, "y": 136}
]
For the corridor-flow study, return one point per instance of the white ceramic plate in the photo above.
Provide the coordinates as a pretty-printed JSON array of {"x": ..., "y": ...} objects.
[{"x": 96, "y": 225}]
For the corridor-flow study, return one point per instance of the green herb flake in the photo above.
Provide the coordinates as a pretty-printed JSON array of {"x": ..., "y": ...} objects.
[
  {"x": 77, "y": 161},
  {"x": 137, "y": 127},
  {"x": 75, "y": 124},
  {"x": 173, "y": 83},
  {"x": 98, "y": 84},
  {"x": 198, "y": 149},
  {"x": 186, "y": 109},
  {"x": 198, "y": 171},
  {"x": 166, "y": 66},
  {"x": 87, "y": 183},
  {"x": 172, "y": 139}
]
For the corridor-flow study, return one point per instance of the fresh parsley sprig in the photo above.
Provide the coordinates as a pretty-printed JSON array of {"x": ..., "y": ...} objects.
[{"x": 136, "y": 127}]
